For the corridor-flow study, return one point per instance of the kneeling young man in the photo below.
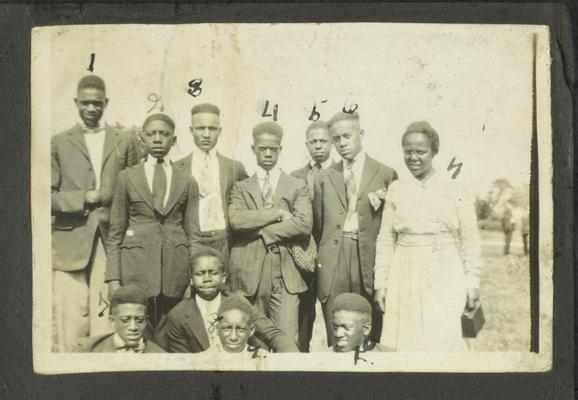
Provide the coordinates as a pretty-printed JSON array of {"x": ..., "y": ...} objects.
[
  {"x": 191, "y": 325},
  {"x": 352, "y": 325},
  {"x": 129, "y": 318}
]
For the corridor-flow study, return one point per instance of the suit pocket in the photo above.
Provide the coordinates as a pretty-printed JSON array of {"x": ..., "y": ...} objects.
[{"x": 131, "y": 242}]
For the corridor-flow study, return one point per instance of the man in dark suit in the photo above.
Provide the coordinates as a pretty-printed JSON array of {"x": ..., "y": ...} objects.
[
  {"x": 129, "y": 318},
  {"x": 191, "y": 325},
  {"x": 215, "y": 174},
  {"x": 85, "y": 161},
  {"x": 348, "y": 203},
  {"x": 268, "y": 212},
  {"x": 148, "y": 244},
  {"x": 318, "y": 143}
]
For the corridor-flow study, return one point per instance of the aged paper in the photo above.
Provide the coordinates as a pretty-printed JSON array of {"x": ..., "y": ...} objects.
[{"x": 473, "y": 83}]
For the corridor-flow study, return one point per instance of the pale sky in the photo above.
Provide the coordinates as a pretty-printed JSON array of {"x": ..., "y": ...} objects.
[{"x": 472, "y": 83}]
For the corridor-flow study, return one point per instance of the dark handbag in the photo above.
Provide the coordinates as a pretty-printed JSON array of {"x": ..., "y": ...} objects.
[
  {"x": 472, "y": 321},
  {"x": 304, "y": 253}
]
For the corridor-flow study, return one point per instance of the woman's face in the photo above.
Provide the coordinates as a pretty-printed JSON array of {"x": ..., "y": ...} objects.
[{"x": 418, "y": 154}]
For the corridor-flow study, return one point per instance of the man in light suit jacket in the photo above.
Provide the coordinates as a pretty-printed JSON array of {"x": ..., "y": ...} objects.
[
  {"x": 129, "y": 318},
  {"x": 85, "y": 161},
  {"x": 149, "y": 238},
  {"x": 318, "y": 143},
  {"x": 191, "y": 324},
  {"x": 348, "y": 203},
  {"x": 267, "y": 213},
  {"x": 215, "y": 175}
]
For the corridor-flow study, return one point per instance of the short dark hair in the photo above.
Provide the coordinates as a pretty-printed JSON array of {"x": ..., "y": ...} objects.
[
  {"x": 270, "y": 127},
  {"x": 128, "y": 294},
  {"x": 343, "y": 116},
  {"x": 352, "y": 302},
  {"x": 159, "y": 117},
  {"x": 205, "y": 108},
  {"x": 206, "y": 251},
  {"x": 319, "y": 124},
  {"x": 426, "y": 129},
  {"x": 236, "y": 302},
  {"x": 92, "y": 82}
]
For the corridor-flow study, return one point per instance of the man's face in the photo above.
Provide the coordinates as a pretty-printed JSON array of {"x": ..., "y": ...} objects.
[
  {"x": 158, "y": 137},
  {"x": 129, "y": 321},
  {"x": 206, "y": 128},
  {"x": 350, "y": 330},
  {"x": 235, "y": 330},
  {"x": 319, "y": 144},
  {"x": 346, "y": 136},
  {"x": 91, "y": 103},
  {"x": 208, "y": 276},
  {"x": 267, "y": 148}
]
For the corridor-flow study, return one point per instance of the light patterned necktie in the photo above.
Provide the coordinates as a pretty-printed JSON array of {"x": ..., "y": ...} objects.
[
  {"x": 351, "y": 189},
  {"x": 267, "y": 191},
  {"x": 206, "y": 180},
  {"x": 159, "y": 185}
]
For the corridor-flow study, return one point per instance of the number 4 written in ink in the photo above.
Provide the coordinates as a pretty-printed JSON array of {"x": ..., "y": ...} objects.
[
  {"x": 275, "y": 110},
  {"x": 457, "y": 166}
]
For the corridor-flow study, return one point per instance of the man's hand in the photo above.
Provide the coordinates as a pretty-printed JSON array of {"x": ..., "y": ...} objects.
[
  {"x": 284, "y": 215},
  {"x": 379, "y": 298},
  {"x": 92, "y": 197},
  {"x": 112, "y": 287},
  {"x": 473, "y": 297}
]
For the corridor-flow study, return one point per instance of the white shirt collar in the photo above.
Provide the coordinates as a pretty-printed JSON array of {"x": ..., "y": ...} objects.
[
  {"x": 324, "y": 165},
  {"x": 207, "y": 304},
  {"x": 151, "y": 161},
  {"x": 201, "y": 153},
  {"x": 99, "y": 128},
  {"x": 359, "y": 159},
  {"x": 274, "y": 173}
]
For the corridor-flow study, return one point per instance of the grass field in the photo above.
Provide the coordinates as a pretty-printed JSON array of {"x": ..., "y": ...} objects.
[{"x": 505, "y": 296}]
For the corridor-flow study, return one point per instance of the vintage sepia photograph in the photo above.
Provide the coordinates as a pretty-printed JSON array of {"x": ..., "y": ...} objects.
[{"x": 292, "y": 197}]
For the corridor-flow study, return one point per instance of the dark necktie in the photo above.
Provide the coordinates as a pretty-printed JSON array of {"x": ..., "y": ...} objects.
[{"x": 159, "y": 186}]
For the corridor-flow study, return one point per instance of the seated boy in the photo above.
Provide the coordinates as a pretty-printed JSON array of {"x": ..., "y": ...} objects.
[
  {"x": 235, "y": 325},
  {"x": 352, "y": 324},
  {"x": 128, "y": 316},
  {"x": 191, "y": 325}
]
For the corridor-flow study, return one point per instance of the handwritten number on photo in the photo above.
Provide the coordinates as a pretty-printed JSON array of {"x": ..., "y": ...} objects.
[
  {"x": 91, "y": 65},
  {"x": 457, "y": 166},
  {"x": 195, "y": 87},
  {"x": 266, "y": 111},
  {"x": 351, "y": 108},
  {"x": 156, "y": 99},
  {"x": 315, "y": 115}
]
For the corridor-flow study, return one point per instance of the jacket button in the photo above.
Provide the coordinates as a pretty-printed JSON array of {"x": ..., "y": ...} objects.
[
  {"x": 335, "y": 241},
  {"x": 338, "y": 227}
]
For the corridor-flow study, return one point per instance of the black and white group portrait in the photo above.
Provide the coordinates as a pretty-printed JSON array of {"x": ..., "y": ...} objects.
[{"x": 331, "y": 197}]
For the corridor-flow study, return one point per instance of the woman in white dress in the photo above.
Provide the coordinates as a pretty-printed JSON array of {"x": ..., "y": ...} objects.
[{"x": 428, "y": 253}]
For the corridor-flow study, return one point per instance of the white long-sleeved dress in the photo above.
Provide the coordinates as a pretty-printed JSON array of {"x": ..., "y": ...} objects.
[{"x": 427, "y": 255}]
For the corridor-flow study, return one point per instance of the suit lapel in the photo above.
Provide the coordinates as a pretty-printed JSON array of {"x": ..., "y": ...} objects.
[
  {"x": 223, "y": 176},
  {"x": 282, "y": 185},
  {"x": 369, "y": 171},
  {"x": 336, "y": 177},
  {"x": 178, "y": 184},
  {"x": 197, "y": 325},
  {"x": 111, "y": 137},
  {"x": 185, "y": 163},
  {"x": 255, "y": 191},
  {"x": 139, "y": 182},
  {"x": 76, "y": 137}
]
